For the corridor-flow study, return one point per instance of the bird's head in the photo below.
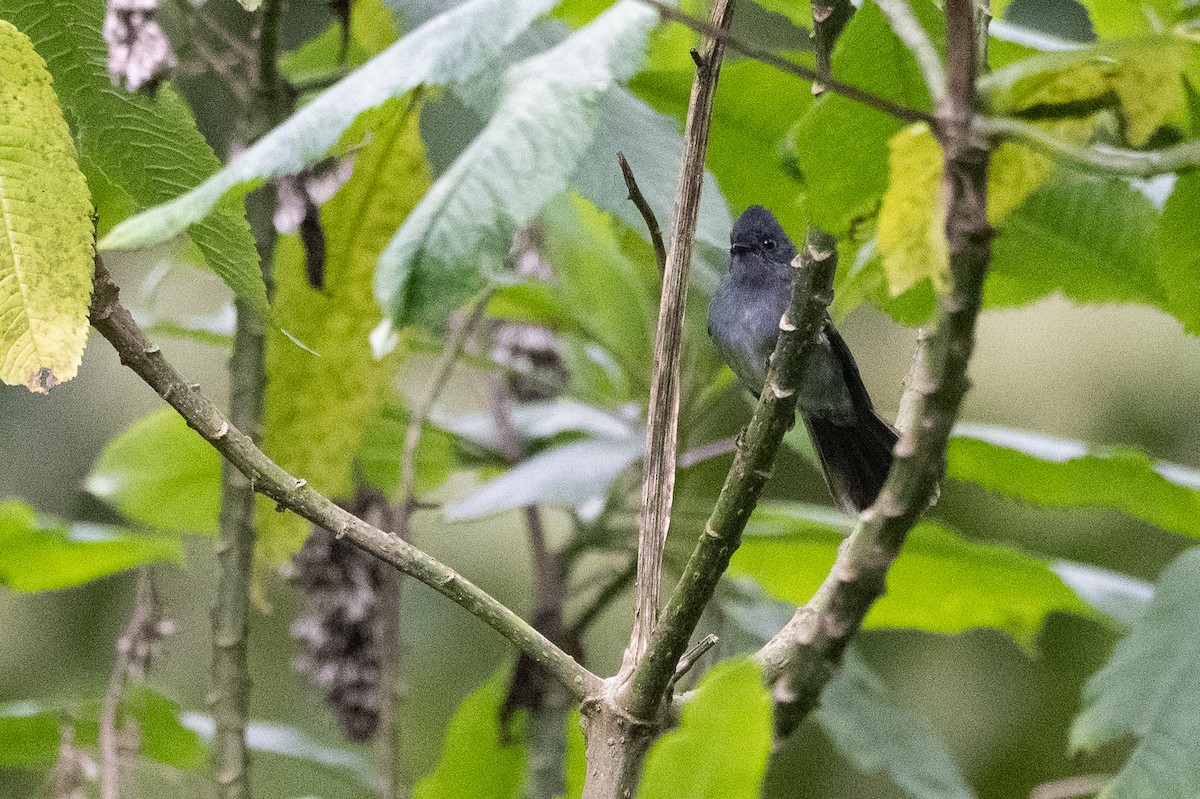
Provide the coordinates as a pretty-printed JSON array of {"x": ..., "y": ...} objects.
[{"x": 757, "y": 232}]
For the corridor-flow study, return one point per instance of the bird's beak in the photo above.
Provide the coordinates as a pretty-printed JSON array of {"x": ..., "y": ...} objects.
[{"x": 734, "y": 249}]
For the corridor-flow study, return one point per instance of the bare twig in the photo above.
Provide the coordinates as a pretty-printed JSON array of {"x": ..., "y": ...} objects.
[
  {"x": 801, "y": 659},
  {"x": 691, "y": 656},
  {"x": 143, "y": 624},
  {"x": 829, "y": 18},
  {"x": 113, "y": 321},
  {"x": 767, "y": 57},
  {"x": 658, "y": 482},
  {"x": 1099, "y": 160},
  {"x": 420, "y": 413},
  {"x": 230, "y": 695},
  {"x": 639, "y": 199}
]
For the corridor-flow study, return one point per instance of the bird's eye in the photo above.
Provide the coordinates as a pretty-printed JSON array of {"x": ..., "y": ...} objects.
[{"x": 769, "y": 243}]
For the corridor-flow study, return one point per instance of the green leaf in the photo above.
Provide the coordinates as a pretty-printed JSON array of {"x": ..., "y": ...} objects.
[
  {"x": 459, "y": 235},
  {"x": 1118, "y": 596},
  {"x": 45, "y": 227},
  {"x": 860, "y": 714},
  {"x": 719, "y": 750},
  {"x": 611, "y": 297},
  {"x": 474, "y": 761},
  {"x": 653, "y": 146},
  {"x": 756, "y": 108},
  {"x": 1116, "y": 18},
  {"x": 318, "y": 406},
  {"x": 576, "y": 765},
  {"x": 1179, "y": 252},
  {"x": 842, "y": 145},
  {"x": 135, "y": 151},
  {"x": 383, "y": 448},
  {"x": 538, "y": 421},
  {"x": 1150, "y": 689},
  {"x": 576, "y": 475},
  {"x": 46, "y": 554},
  {"x": 162, "y": 737},
  {"x": 1141, "y": 79},
  {"x": 1091, "y": 239},
  {"x": 29, "y": 735},
  {"x": 941, "y": 582},
  {"x": 1060, "y": 473},
  {"x": 162, "y": 474},
  {"x": 446, "y": 50},
  {"x": 911, "y": 229}
]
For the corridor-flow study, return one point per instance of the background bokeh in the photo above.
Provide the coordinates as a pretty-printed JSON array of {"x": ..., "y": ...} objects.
[{"x": 1108, "y": 375}]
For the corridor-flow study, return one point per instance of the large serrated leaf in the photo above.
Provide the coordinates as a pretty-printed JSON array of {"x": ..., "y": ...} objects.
[
  {"x": 1140, "y": 78},
  {"x": 1089, "y": 238},
  {"x": 719, "y": 750},
  {"x": 912, "y": 216},
  {"x": 45, "y": 227},
  {"x": 317, "y": 406},
  {"x": 447, "y": 49},
  {"x": 135, "y": 151},
  {"x": 161, "y": 474},
  {"x": 1150, "y": 689},
  {"x": 941, "y": 582},
  {"x": 1060, "y": 473},
  {"x": 545, "y": 122},
  {"x": 841, "y": 144},
  {"x": 42, "y": 555},
  {"x": 475, "y": 761},
  {"x": 860, "y": 714}
]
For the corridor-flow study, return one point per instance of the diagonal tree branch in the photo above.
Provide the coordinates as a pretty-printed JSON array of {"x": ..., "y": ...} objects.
[
  {"x": 767, "y": 57},
  {"x": 114, "y": 322},
  {"x": 1097, "y": 160},
  {"x": 801, "y": 659}
]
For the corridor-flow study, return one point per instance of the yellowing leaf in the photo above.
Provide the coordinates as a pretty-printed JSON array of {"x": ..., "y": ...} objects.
[
  {"x": 912, "y": 216},
  {"x": 317, "y": 406},
  {"x": 912, "y": 237},
  {"x": 1140, "y": 79},
  {"x": 45, "y": 226},
  {"x": 1147, "y": 80}
]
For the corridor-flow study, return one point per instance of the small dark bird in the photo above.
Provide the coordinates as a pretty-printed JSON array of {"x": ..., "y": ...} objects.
[{"x": 852, "y": 441}]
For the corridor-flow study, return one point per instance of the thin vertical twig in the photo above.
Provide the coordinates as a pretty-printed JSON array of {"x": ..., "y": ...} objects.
[
  {"x": 419, "y": 414},
  {"x": 639, "y": 200},
  {"x": 230, "y": 696},
  {"x": 658, "y": 482},
  {"x": 139, "y": 633}
]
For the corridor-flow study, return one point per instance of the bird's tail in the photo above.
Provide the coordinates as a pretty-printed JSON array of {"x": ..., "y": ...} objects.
[{"x": 855, "y": 458}]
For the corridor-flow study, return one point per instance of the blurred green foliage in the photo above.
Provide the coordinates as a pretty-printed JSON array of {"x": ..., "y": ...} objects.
[{"x": 967, "y": 683}]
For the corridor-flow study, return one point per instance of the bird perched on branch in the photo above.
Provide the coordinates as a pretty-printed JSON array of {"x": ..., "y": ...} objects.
[{"x": 852, "y": 441}]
